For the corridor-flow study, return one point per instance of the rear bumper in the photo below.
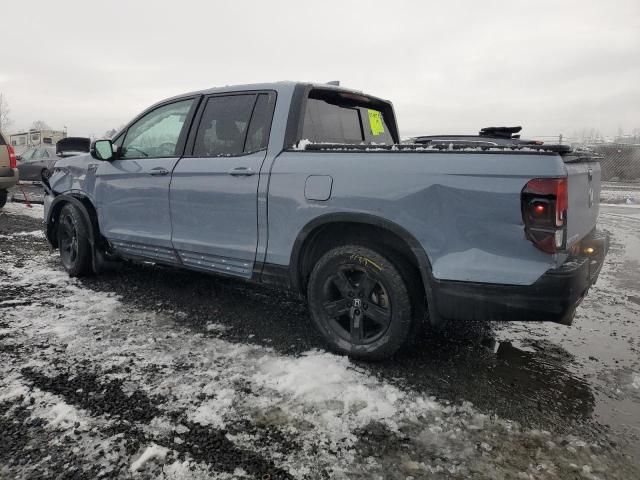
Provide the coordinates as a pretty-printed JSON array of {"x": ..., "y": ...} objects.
[
  {"x": 553, "y": 297},
  {"x": 9, "y": 180}
]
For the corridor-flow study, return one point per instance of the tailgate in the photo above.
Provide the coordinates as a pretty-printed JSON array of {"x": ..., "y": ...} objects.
[
  {"x": 4, "y": 158},
  {"x": 584, "y": 197}
]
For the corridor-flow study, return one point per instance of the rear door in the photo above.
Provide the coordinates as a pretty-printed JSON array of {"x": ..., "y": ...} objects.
[
  {"x": 214, "y": 187},
  {"x": 132, "y": 192}
]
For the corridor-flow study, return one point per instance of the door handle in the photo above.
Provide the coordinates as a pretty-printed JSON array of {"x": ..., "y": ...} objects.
[
  {"x": 241, "y": 172},
  {"x": 158, "y": 171}
]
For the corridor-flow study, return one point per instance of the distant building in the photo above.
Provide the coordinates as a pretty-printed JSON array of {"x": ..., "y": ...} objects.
[{"x": 34, "y": 138}]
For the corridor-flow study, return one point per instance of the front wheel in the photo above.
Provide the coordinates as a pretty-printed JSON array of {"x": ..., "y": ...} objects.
[
  {"x": 360, "y": 303},
  {"x": 73, "y": 241}
]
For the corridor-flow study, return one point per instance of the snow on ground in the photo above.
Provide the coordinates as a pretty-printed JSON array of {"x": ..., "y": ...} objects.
[
  {"x": 152, "y": 452},
  {"x": 122, "y": 391},
  {"x": 298, "y": 415},
  {"x": 611, "y": 196},
  {"x": 34, "y": 233},
  {"x": 14, "y": 208}
]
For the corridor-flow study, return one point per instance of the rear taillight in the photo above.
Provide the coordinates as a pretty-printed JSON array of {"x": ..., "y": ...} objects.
[
  {"x": 544, "y": 212},
  {"x": 12, "y": 157}
]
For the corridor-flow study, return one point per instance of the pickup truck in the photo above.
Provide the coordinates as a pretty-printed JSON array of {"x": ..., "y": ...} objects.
[
  {"x": 8, "y": 169},
  {"x": 307, "y": 187}
]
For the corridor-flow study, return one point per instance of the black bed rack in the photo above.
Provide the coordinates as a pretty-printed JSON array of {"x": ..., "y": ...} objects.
[{"x": 444, "y": 146}]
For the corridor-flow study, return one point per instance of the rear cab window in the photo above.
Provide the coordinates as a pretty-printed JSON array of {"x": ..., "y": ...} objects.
[{"x": 339, "y": 117}]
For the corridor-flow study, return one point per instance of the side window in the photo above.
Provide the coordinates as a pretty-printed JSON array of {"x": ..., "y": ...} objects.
[
  {"x": 28, "y": 155},
  {"x": 258, "y": 135},
  {"x": 156, "y": 134},
  {"x": 326, "y": 122},
  {"x": 45, "y": 153},
  {"x": 223, "y": 127}
]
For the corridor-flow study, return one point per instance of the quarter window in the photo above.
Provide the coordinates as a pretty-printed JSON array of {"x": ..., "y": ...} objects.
[
  {"x": 258, "y": 135},
  {"x": 223, "y": 127},
  {"x": 157, "y": 133}
]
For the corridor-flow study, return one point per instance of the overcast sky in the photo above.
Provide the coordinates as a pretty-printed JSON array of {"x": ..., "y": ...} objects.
[{"x": 448, "y": 66}]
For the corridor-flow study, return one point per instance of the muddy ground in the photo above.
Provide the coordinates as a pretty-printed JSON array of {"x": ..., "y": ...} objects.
[{"x": 150, "y": 372}]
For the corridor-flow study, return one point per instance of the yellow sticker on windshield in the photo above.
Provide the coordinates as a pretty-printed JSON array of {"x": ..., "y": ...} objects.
[{"x": 375, "y": 120}]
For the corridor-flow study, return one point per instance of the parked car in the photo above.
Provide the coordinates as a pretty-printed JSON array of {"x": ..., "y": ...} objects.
[
  {"x": 306, "y": 187},
  {"x": 38, "y": 162},
  {"x": 8, "y": 171}
]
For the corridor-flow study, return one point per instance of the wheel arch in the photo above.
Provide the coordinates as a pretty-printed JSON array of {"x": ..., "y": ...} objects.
[
  {"x": 306, "y": 246},
  {"x": 86, "y": 208}
]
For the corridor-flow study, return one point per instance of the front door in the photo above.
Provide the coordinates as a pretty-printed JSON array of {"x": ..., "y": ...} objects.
[
  {"x": 214, "y": 188},
  {"x": 132, "y": 191}
]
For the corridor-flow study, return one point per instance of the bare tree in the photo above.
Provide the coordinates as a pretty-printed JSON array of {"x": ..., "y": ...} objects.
[
  {"x": 5, "y": 120},
  {"x": 110, "y": 133},
  {"x": 40, "y": 125}
]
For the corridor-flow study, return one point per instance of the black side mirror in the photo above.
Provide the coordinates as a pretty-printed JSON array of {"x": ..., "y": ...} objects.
[{"x": 102, "y": 150}]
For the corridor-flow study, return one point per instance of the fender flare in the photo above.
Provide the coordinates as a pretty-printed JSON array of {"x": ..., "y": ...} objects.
[
  {"x": 423, "y": 263},
  {"x": 420, "y": 255}
]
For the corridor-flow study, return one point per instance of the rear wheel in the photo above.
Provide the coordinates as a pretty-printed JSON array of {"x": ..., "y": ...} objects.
[
  {"x": 73, "y": 241},
  {"x": 3, "y": 198},
  {"x": 360, "y": 302}
]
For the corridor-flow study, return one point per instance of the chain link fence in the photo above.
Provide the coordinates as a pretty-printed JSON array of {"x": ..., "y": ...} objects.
[{"x": 620, "y": 160}]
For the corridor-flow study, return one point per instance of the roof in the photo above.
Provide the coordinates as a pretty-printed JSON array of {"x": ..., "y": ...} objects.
[{"x": 280, "y": 87}]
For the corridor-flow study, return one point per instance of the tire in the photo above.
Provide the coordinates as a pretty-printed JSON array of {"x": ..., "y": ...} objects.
[
  {"x": 360, "y": 303},
  {"x": 73, "y": 241},
  {"x": 3, "y": 198}
]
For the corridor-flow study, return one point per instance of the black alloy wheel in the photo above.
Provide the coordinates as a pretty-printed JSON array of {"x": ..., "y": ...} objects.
[{"x": 360, "y": 302}]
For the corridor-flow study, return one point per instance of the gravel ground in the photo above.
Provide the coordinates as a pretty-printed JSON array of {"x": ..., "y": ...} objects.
[{"x": 149, "y": 372}]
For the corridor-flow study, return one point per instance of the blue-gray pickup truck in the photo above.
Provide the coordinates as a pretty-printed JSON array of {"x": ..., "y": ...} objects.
[{"x": 308, "y": 188}]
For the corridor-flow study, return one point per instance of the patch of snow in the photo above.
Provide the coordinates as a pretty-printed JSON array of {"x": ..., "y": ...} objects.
[
  {"x": 302, "y": 144},
  {"x": 331, "y": 385},
  {"x": 15, "y": 208},
  {"x": 636, "y": 381},
  {"x": 216, "y": 327},
  {"x": 152, "y": 452},
  {"x": 211, "y": 412},
  {"x": 63, "y": 414},
  {"x": 618, "y": 197},
  {"x": 35, "y": 233}
]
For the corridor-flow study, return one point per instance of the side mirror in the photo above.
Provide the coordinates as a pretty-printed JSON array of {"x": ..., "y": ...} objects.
[{"x": 102, "y": 150}]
